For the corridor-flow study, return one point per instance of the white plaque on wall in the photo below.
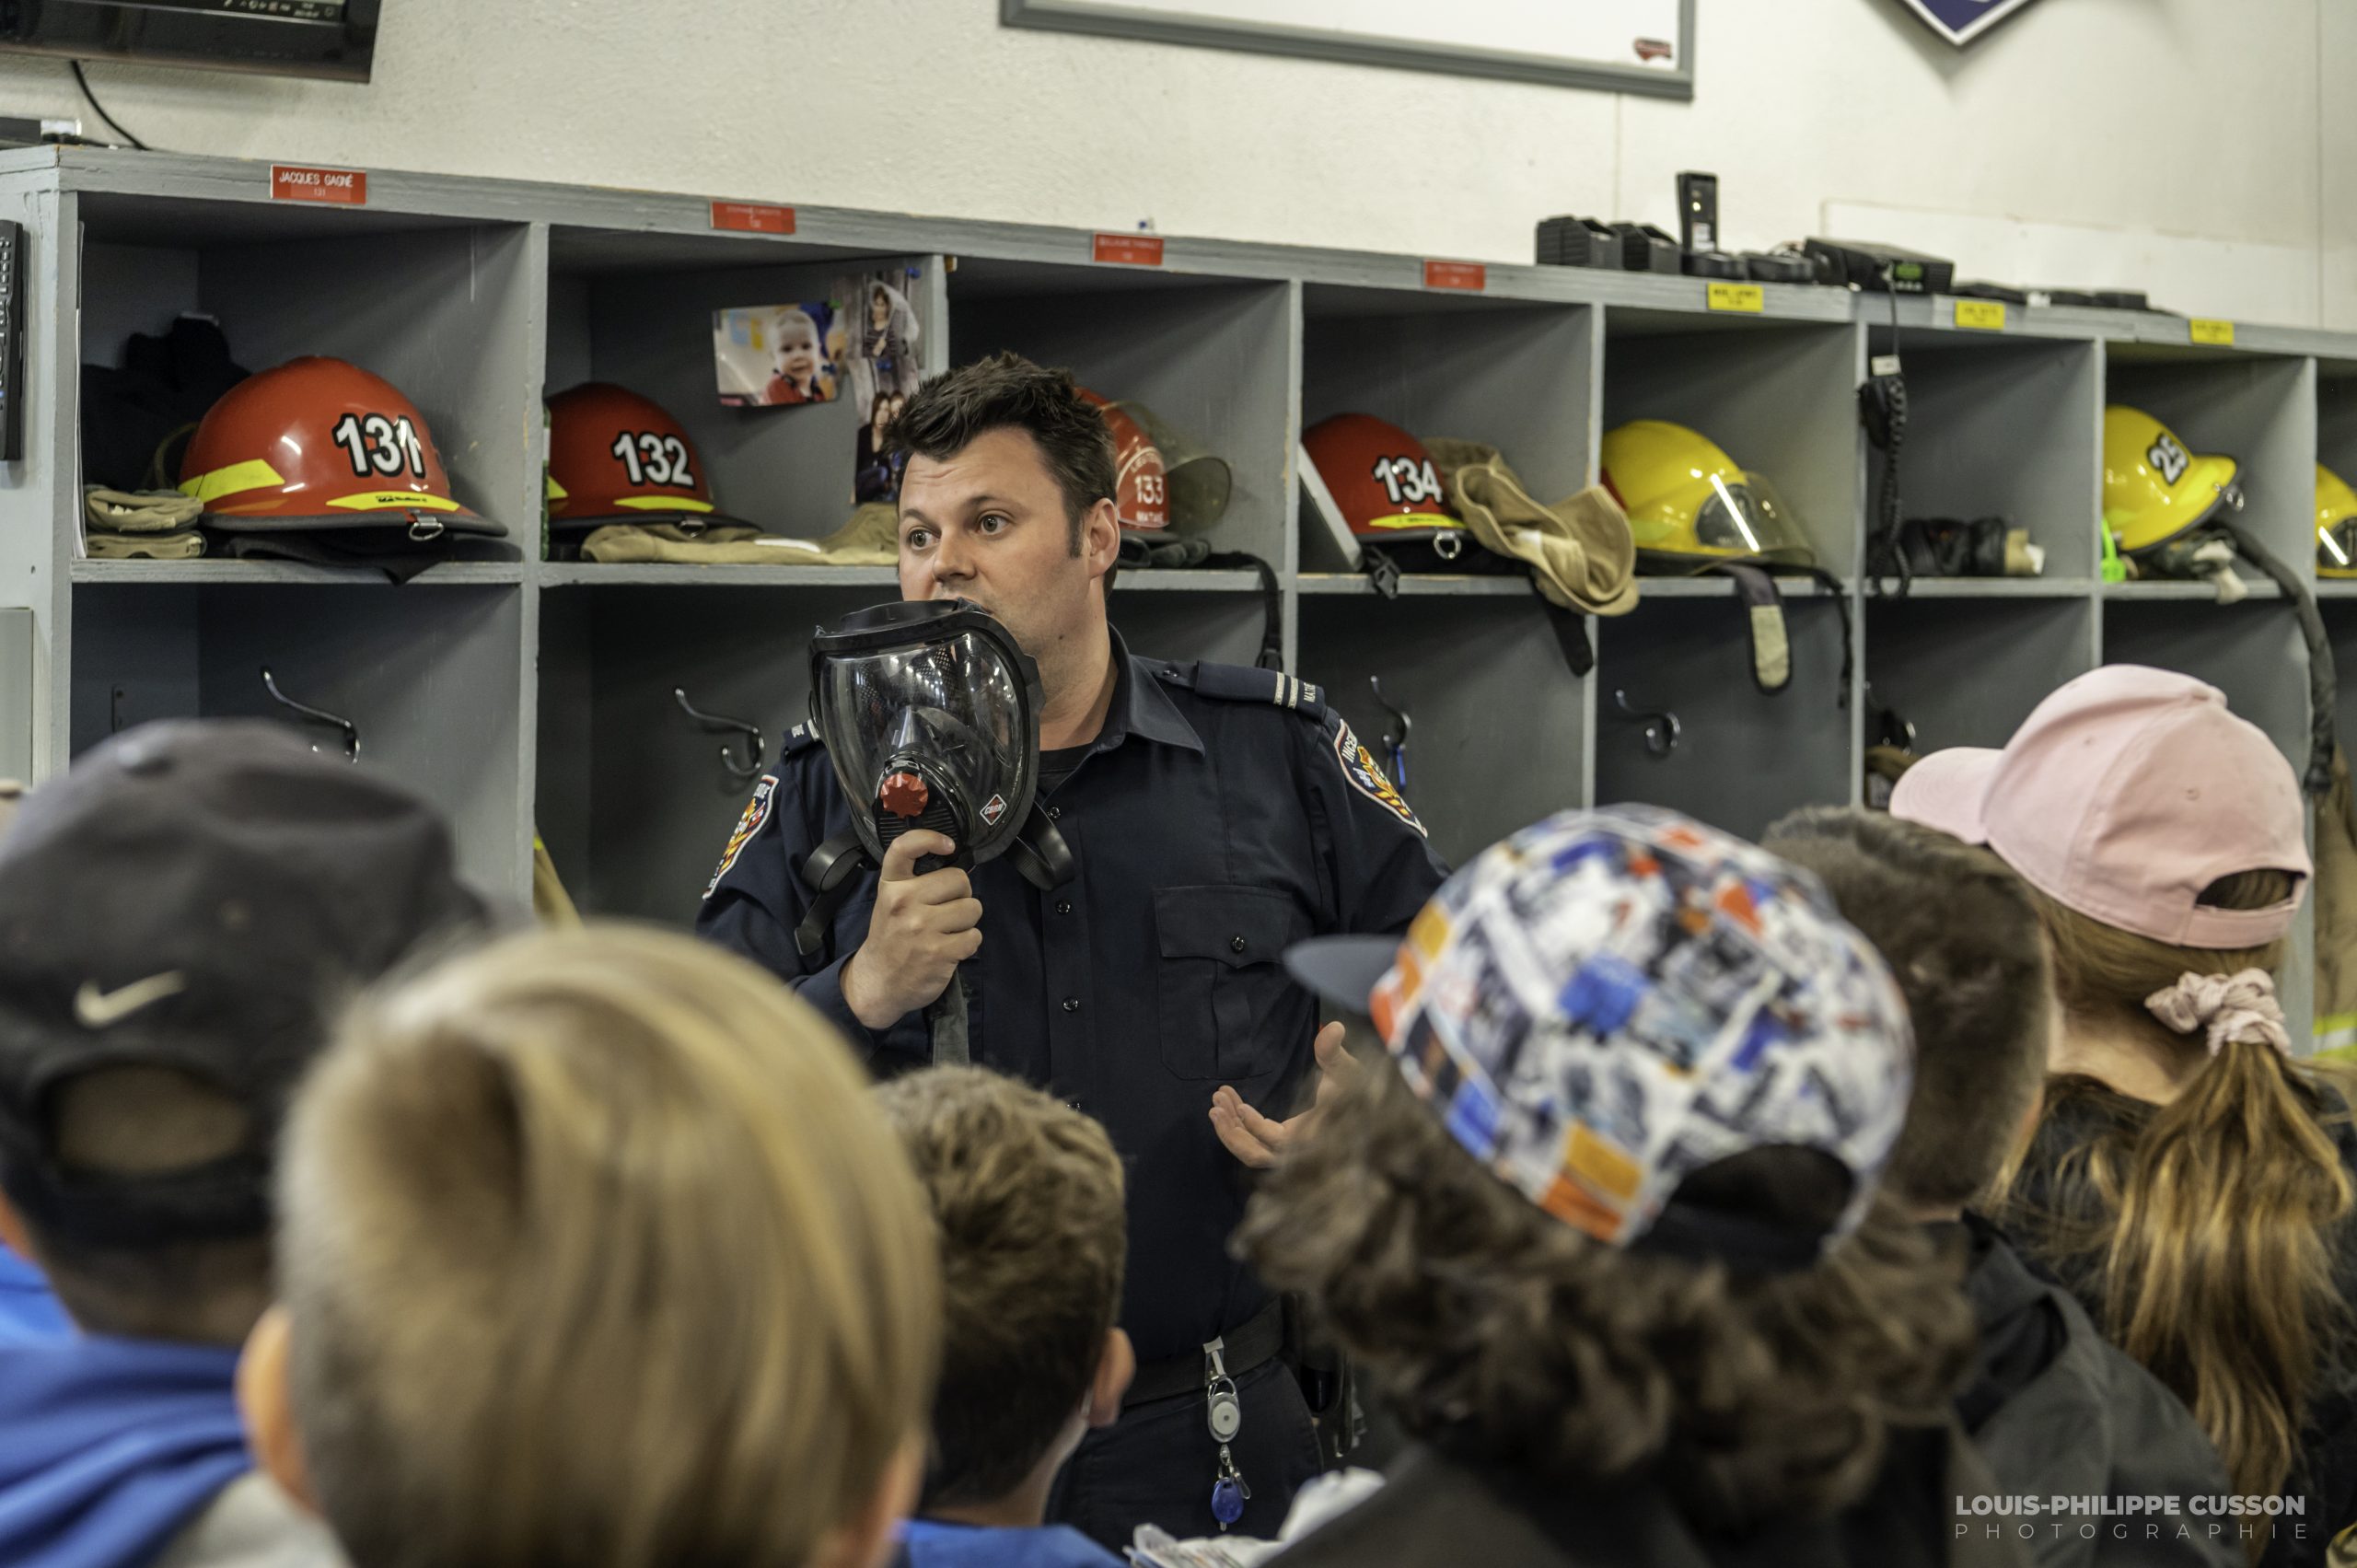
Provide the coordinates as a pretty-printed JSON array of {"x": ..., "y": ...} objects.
[{"x": 1623, "y": 45}]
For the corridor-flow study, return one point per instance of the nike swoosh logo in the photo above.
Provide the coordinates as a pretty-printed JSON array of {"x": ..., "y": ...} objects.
[{"x": 96, "y": 1009}]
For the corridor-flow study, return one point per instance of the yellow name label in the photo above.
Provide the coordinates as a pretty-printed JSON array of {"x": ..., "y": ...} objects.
[
  {"x": 1735, "y": 296},
  {"x": 662, "y": 503},
  {"x": 394, "y": 501},
  {"x": 2218, "y": 334},
  {"x": 1981, "y": 315}
]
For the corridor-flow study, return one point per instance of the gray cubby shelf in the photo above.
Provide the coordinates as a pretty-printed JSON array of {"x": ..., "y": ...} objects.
[
  {"x": 1743, "y": 757},
  {"x": 606, "y": 573},
  {"x": 1416, "y": 584},
  {"x": 2004, "y": 424},
  {"x": 539, "y": 693},
  {"x": 673, "y": 574},
  {"x": 1716, "y": 587},
  {"x": 1966, "y": 671},
  {"x": 1476, "y": 769},
  {"x": 1987, "y": 587},
  {"x": 251, "y": 572},
  {"x": 2153, "y": 592}
]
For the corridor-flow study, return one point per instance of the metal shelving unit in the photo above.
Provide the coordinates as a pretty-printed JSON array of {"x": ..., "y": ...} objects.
[{"x": 541, "y": 695}]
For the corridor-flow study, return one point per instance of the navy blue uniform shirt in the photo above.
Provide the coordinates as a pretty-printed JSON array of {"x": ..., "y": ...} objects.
[{"x": 1222, "y": 815}]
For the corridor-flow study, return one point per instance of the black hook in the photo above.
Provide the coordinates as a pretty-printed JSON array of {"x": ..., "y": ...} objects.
[
  {"x": 1888, "y": 727},
  {"x": 1662, "y": 729},
  {"x": 317, "y": 716},
  {"x": 1395, "y": 734},
  {"x": 720, "y": 724}
]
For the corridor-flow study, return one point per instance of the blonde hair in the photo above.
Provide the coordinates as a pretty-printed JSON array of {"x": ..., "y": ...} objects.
[
  {"x": 596, "y": 1253},
  {"x": 2210, "y": 1237},
  {"x": 794, "y": 320},
  {"x": 1028, "y": 1194}
]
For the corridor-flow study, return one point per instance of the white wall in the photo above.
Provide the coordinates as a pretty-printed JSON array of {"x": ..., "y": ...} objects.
[{"x": 2066, "y": 139}]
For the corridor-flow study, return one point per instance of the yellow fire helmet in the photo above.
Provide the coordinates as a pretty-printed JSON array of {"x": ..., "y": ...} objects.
[
  {"x": 2155, "y": 490},
  {"x": 2336, "y": 525},
  {"x": 1691, "y": 507}
]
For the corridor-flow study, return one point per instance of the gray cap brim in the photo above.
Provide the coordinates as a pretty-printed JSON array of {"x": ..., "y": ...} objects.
[{"x": 1344, "y": 969}]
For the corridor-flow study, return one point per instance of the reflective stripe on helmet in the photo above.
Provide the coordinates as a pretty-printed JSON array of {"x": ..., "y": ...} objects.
[{"x": 251, "y": 474}]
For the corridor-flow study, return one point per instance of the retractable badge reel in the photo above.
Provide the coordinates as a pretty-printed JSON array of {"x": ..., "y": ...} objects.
[{"x": 1224, "y": 1413}]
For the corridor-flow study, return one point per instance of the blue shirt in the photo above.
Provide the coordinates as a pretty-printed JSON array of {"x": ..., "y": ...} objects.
[
  {"x": 109, "y": 1446},
  {"x": 27, "y": 1306},
  {"x": 1222, "y": 815},
  {"x": 932, "y": 1544}
]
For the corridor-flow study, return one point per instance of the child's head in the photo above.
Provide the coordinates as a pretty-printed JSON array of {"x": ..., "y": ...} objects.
[
  {"x": 797, "y": 345},
  {"x": 1962, "y": 938},
  {"x": 2132, "y": 799},
  {"x": 1027, "y": 1195},
  {"x": 1646, "y": 1081},
  {"x": 181, "y": 915},
  {"x": 2163, "y": 842},
  {"x": 597, "y": 1252}
]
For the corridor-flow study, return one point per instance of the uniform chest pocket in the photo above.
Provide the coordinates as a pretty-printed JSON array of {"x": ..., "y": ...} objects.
[{"x": 1226, "y": 1002}]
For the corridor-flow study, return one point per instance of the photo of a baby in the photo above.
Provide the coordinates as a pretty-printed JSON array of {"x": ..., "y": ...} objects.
[{"x": 774, "y": 356}]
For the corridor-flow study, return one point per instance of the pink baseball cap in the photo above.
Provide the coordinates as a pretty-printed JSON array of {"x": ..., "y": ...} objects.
[{"x": 2123, "y": 795}]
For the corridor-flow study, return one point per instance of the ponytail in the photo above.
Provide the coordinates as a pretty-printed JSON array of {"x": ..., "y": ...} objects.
[
  {"x": 2210, "y": 1240},
  {"x": 2218, "y": 1275}
]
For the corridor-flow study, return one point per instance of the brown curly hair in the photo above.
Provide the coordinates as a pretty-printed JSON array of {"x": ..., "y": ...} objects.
[{"x": 1508, "y": 1338}]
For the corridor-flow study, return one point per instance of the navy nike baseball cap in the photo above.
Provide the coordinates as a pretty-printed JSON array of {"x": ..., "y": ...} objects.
[{"x": 201, "y": 897}]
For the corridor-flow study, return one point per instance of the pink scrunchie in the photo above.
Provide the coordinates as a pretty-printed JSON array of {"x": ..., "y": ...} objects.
[{"x": 2233, "y": 1006}]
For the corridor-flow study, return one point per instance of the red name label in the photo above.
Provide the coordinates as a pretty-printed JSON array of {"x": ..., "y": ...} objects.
[
  {"x": 1457, "y": 274},
  {"x": 346, "y": 187},
  {"x": 752, "y": 217},
  {"x": 1131, "y": 249}
]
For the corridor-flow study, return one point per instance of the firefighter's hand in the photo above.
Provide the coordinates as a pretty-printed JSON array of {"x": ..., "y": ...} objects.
[
  {"x": 920, "y": 930},
  {"x": 1259, "y": 1141}
]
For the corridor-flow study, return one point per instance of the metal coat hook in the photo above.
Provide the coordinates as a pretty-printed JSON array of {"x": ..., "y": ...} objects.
[
  {"x": 720, "y": 724},
  {"x": 316, "y": 716},
  {"x": 1395, "y": 734},
  {"x": 1890, "y": 727},
  {"x": 1662, "y": 729}
]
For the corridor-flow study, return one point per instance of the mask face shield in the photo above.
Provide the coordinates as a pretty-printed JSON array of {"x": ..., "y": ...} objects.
[
  {"x": 929, "y": 712},
  {"x": 2336, "y": 548},
  {"x": 1735, "y": 515}
]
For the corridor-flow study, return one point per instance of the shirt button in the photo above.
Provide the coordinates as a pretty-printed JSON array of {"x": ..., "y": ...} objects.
[
  {"x": 1056, "y": 813},
  {"x": 1064, "y": 906},
  {"x": 1072, "y": 1004},
  {"x": 1237, "y": 943}
]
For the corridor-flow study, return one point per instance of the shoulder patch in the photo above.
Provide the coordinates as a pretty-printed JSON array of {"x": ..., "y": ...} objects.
[
  {"x": 756, "y": 816},
  {"x": 1365, "y": 774},
  {"x": 1248, "y": 683}
]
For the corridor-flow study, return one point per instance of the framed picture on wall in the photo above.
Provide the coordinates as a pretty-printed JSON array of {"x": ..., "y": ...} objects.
[{"x": 1644, "y": 46}]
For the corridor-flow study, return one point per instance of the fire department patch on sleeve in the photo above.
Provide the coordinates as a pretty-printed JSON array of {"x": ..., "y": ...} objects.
[
  {"x": 757, "y": 812},
  {"x": 1365, "y": 774}
]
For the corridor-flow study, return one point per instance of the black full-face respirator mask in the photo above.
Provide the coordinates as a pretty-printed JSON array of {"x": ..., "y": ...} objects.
[{"x": 931, "y": 716}]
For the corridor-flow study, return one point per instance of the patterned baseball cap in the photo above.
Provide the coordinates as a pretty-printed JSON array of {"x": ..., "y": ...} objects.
[{"x": 1610, "y": 1000}]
